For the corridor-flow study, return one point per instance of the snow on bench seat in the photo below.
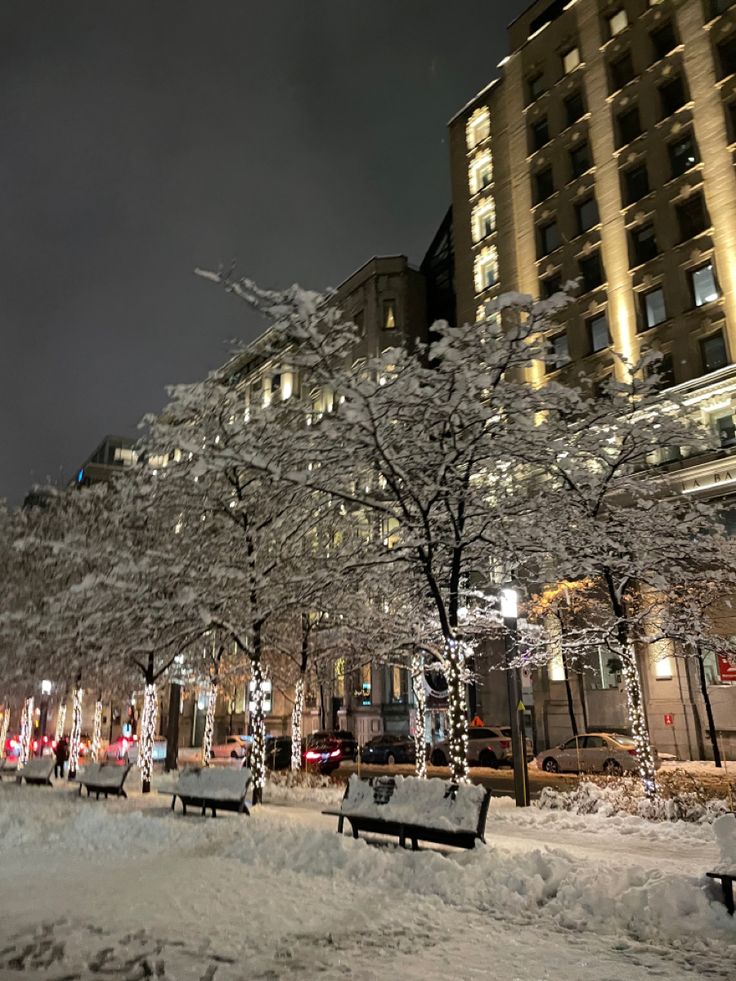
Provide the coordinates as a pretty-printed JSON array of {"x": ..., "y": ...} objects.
[
  {"x": 37, "y": 771},
  {"x": 103, "y": 778},
  {"x": 428, "y": 810},
  {"x": 212, "y": 788}
]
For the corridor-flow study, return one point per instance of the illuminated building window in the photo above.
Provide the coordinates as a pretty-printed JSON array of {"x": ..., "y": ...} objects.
[
  {"x": 478, "y": 128},
  {"x": 713, "y": 352},
  {"x": 629, "y": 126},
  {"x": 366, "y": 686},
  {"x": 486, "y": 270},
  {"x": 643, "y": 244},
  {"x": 653, "y": 308},
  {"x": 484, "y": 219},
  {"x": 672, "y": 96},
  {"x": 591, "y": 271},
  {"x": 617, "y": 22},
  {"x": 636, "y": 183},
  {"x": 599, "y": 337},
  {"x": 399, "y": 684},
  {"x": 549, "y": 238},
  {"x": 570, "y": 60},
  {"x": 560, "y": 353},
  {"x": 580, "y": 159},
  {"x": 574, "y": 107},
  {"x": 339, "y": 678},
  {"x": 481, "y": 173},
  {"x": 390, "y": 532},
  {"x": 663, "y": 40},
  {"x": 703, "y": 287},
  {"x": 692, "y": 217},
  {"x": 389, "y": 315},
  {"x": 683, "y": 153},
  {"x": 621, "y": 72},
  {"x": 544, "y": 185}
]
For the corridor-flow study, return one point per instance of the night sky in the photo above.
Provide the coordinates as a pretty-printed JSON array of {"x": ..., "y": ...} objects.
[{"x": 141, "y": 139}]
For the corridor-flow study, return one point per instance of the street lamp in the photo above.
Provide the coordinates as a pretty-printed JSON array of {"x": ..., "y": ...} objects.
[
  {"x": 43, "y": 714},
  {"x": 509, "y": 603}
]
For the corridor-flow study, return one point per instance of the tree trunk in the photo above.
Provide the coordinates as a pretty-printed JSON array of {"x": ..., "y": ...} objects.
[
  {"x": 4, "y": 726},
  {"x": 583, "y": 700},
  {"x": 75, "y": 738},
  {"x": 258, "y": 749},
  {"x": 420, "y": 698},
  {"x": 60, "y": 720},
  {"x": 297, "y": 714},
  {"x": 94, "y": 751},
  {"x": 172, "y": 727},
  {"x": 570, "y": 700},
  {"x": 209, "y": 722},
  {"x": 708, "y": 710},
  {"x": 26, "y": 733},
  {"x": 147, "y": 729},
  {"x": 457, "y": 716}
]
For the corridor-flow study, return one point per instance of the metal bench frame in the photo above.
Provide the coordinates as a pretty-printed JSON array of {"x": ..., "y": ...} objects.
[
  {"x": 727, "y": 880},
  {"x": 97, "y": 789},
  {"x": 33, "y": 781},
  {"x": 237, "y": 805}
]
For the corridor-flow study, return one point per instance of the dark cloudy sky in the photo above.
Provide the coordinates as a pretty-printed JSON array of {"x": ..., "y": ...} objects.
[{"x": 139, "y": 138}]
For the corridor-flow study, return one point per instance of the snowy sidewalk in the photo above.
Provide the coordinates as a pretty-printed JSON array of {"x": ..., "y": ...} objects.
[{"x": 125, "y": 889}]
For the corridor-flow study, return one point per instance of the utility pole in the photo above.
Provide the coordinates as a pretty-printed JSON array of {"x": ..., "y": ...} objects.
[{"x": 510, "y": 614}]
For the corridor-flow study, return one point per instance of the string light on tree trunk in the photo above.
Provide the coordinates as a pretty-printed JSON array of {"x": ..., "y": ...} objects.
[
  {"x": 209, "y": 724},
  {"x": 296, "y": 725},
  {"x": 4, "y": 726},
  {"x": 146, "y": 737},
  {"x": 457, "y": 719},
  {"x": 639, "y": 729},
  {"x": 96, "y": 732},
  {"x": 258, "y": 749},
  {"x": 60, "y": 722},
  {"x": 420, "y": 699},
  {"x": 75, "y": 740},
  {"x": 26, "y": 731}
]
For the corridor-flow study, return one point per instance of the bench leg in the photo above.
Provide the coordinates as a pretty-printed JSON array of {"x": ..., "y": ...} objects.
[
  {"x": 414, "y": 846},
  {"x": 340, "y": 824},
  {"x": 173, "y": 801},
  {"x": 80, "y": 790},
  {"x": 402, "y": 840},
  {"x": 123, "y": 794},
  {"x": 214, "y": 813},
  {"x": 184, "y": 808},
  {"x": 727, "y": 887}
]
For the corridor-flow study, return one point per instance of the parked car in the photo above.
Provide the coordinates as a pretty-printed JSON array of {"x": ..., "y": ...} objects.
[
  {"x": 347, "y": 741},
  {"x": 235, "y": 747},
  {"x": 388, "y": 748},
  {"x": 125, "y": 749},
  {"x": 278, "y": 752},
  {"x": 487, "y": 746},
  {"x": 324, "y": 755},
  {"x": 601, "y": 752}
]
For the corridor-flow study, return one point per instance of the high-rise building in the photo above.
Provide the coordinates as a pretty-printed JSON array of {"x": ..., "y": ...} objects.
[{"x": 603, "y": 152}]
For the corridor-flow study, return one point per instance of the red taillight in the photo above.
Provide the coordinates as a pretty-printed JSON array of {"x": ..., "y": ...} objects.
[
  {"x": 45, "y": 739},
  {"x": 35, "y": 745},
  {"x": 631, "y": 752},
  {"x": 504, "y": 744},
  {"x": 335, "y": 752},
  {"x": 14, "y": 743},
  {"x": 311, "y": 755}
]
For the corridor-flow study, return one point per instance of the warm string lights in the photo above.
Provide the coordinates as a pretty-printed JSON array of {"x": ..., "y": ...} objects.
[
  {"x": 96, "y": 732},
  {"x": 209, "y": 724},
  {"x": 457, "y": 719},
  {"x": 26, "y": 732},
  {"x": 258, "y": 750},
  {"x": 4, "y": 726},
  {"x": 75, "y": 740},
  {"x": 60, "y": 722},
  {"x": 639, "y": 729},
  {"x": 420, "y": 699},
  {"x": 296, "y": 725},
  {"x": 146, "y": 737}
]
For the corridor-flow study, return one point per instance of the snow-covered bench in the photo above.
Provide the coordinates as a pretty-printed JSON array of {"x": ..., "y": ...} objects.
[
  {"x": 724, "y": 829},
  {"x": 37, "y": 771},
  {"x": 212, "y": 789},
  {"x": 7, "y": 767},
  {"x": 420, "y": 810},
  {"x": 103, "y": 778}
]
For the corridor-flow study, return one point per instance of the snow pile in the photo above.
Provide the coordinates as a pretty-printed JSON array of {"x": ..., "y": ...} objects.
[
  {"x": 724, "y": 829},
  {"x": 625, "y": 797},
  {"x": 424, "y": 802},
  {"x": 301, "y": 787}
]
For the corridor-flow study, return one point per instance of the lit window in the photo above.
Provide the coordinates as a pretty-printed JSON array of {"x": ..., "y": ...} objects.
[
  {"x": 683, "y": 154},
  {"x": 484, "y": 219},
  {"x": 365, "y": 684},
  {"x": 481, "y": 172},
  {"x": 703, "y": 285},
  {"x": 653, "y": 308},
  {"x": 617, "y": 22},
  {"x": 571, "y": 60},
  {"x": 598, "y": 333},
  {"x": 389, "y": 314},
  {"x": 486, "y": 270},
  {"x": 478, "y": 128}
]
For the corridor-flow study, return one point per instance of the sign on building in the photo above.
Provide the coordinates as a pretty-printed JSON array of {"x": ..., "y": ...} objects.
[{"x": 726, "y": 669}]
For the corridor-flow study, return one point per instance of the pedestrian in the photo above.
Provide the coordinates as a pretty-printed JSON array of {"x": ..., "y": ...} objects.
[{"x": 61, "y": 753}]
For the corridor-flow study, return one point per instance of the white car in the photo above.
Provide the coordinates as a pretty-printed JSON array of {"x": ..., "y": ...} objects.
[
  {"x": 234, "y": 747},
  {"x": 487, "y": 746},
  {"x": 593, "y": 752},
  {"x": 125, "y": 749}
]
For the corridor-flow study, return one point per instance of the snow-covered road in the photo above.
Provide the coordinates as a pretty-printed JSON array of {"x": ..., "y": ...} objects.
[{"x": 125, "y": 889}]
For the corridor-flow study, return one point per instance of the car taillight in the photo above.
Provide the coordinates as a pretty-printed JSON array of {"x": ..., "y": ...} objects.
[
  {"x": 504, "y": 744},
  {"x": 14, "y": 743},
  {"x": 35, "y": 745},
  {"x": 311, "y": 755}
]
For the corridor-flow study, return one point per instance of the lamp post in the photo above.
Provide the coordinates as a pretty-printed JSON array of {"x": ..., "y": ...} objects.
[
  {"x": 43, "y": 714},
  {"x": 510, "y": 613}
]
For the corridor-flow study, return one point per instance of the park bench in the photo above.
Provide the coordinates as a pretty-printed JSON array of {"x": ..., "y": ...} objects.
[
  {"x": 436, "y": 811},
  {"x": 727, "y": 880},
  {"x": 37, "y": 771},
  {"x": 212, "y": 789},
  {"x": 7, "y": 767},
  {"x": 724, "y": 829},
  {"x": 103, "y": 778}
]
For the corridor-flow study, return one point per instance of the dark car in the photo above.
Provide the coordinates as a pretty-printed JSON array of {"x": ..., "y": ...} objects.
[
  {"x": 388, "y": 749},
  {"x": 323, "y": 755},
  {"x": 346, "y": 740},
  {"x": 278, "y": 752}
]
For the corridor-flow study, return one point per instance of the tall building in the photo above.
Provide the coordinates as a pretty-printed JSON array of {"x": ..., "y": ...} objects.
[
  {"x": 113, "y": 453},
  {"x": 603, "y": 152}
]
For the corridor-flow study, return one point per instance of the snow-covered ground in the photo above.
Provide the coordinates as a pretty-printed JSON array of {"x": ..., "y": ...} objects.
[{"x": 126, "y": 889}]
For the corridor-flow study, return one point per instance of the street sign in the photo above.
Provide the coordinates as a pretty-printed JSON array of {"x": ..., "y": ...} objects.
[
  {"x": 669, "y": 720},
  {"x": 726, "y": 669},
  {"x": 520, "y": 707}
]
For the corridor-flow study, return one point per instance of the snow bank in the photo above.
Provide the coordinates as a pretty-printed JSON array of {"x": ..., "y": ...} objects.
[
  {"x": 626, "y": 798},
  {"x": 423, "y": 802},
  {"x": 724, "y": 829}
]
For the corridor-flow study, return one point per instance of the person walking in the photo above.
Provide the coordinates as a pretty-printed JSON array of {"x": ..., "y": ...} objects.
[{"x": 61, "y": 754}]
